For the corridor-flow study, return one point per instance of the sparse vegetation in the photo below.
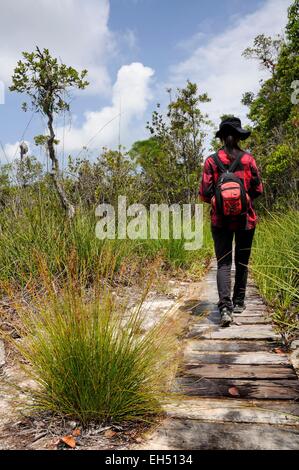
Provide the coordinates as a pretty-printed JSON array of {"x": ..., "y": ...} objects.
[
  {"x": 91, "y": 360},
  {"x": 83, "y": 345},
  {"x": 276, "y": 269}
]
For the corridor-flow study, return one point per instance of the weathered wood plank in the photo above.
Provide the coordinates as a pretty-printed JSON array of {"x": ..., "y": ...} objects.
[
  {"x": 184, "y": 434},
  {"x": 231, "y": 346},
  {"x": 194, "y": 357},
  {"x": 256, "y": 308},
  {"x": 251, "y": 320},
  {"x": 235, "y": 411},
  {"x": 234, "y": 332},
  {"x": 256, "y": 389},
  {"x": 213, "y": 319},
  {"x": 232, "y": 390},
  {"x": 214, "y": 315},
  {"x": 239, "y": 371}
]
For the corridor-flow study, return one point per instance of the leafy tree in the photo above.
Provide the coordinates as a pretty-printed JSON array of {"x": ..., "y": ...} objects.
[
  {"x": 159, "y": 172},
  {"x": 5, "y": 184},
  {"x": 119, "y": 176},
  {"x": 171, "y": 160},
  {"x": 113, "y": 174},
  {"x": 292, "y": 27},
  {"x": 186, "y": 130},
  {"x": 275, "y": 139},
  {"x": 47, "y": 83},
  {"x": 28, "y": 171},
  {"x": 266, "y": 50}
]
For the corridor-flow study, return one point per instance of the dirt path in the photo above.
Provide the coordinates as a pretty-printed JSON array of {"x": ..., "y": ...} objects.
[{"x": 238, "y": 390}]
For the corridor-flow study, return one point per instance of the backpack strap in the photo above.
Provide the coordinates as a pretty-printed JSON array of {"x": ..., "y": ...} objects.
[
  {"x": 232, "y": 167},
  {"x": 218, "y": 162},
  {"x": 235, "y": 163}
]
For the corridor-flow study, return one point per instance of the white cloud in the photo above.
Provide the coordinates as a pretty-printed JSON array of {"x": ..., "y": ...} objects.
[
  {"x": 130, "y": 94},
  {"x": 218, "y": 66},
  {"x": 77, "y": 32},
  {"x": 74, "y": 30}
]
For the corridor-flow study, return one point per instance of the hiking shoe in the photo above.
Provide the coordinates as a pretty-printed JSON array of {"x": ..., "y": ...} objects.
[
  {"x": 239, "y": 308},
  {"x": 226, "y": 317}
]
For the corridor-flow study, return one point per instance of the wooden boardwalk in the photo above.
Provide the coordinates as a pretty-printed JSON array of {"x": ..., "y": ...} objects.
[{"x": 236, "y": 388}]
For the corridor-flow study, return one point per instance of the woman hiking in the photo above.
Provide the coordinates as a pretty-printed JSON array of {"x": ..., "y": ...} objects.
[{"x": 230, "y": 183}]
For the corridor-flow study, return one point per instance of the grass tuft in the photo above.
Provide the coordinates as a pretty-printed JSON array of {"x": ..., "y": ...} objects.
[{"x": 92, "y": 360}]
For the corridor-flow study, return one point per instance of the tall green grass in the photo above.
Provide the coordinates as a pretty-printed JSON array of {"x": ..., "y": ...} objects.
[
  {"x": 85, "y": 349},
  {"x": 275, "y": 265},
  {"x": 90, "y": 358},
  {"x": 33, "y": 224}
]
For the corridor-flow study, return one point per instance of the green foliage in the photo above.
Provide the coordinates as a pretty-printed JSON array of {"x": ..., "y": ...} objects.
[
  {"x": 33, "y": 225},
  {"x": 171, "y": 159},
  {"x": 5, "y": 184},
  {"x": 275, "y": 264},
  {"x": 46, "y": 81},
  {"x": 113, "y": 174},
  {"x": 91, "y": 360},
  {"x": 293, "y": 26},
  {"x": 160, "y": 173},
  {"x": 265, "y": 50},
  {"x": 275, "y": 140},
  {"x": 28, "y": 171}
]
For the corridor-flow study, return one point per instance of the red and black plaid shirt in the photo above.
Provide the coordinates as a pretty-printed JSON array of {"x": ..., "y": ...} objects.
[{"x": 247, "y": 171}]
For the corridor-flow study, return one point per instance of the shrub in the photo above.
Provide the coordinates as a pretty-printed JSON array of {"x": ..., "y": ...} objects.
[
  {"x": 90, "y": 359},
  {"x": 275, "y": 265}
]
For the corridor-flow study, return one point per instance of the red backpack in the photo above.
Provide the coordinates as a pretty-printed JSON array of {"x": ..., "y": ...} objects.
[{"x": 230, "y": 198}]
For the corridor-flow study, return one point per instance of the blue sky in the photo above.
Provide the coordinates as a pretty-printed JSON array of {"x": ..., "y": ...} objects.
[
  {"x": 133, "y": 50},
  {"x": 161, "y": 26}
]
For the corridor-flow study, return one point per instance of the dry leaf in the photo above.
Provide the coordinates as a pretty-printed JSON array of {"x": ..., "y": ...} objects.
[
  {"x": 76, "y": 432},
  {"x": 279, "y": 351},
  {"x": 234, "y": 391},
  {"x": 109, "y": 433},
  {"x": 69, "y": 441}
]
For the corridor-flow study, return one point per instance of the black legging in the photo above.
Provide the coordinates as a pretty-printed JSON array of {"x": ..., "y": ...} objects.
[{"x": 223, "y": 242}]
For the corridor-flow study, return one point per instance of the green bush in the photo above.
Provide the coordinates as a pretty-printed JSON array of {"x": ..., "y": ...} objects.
[
  {"x": 275, "y": 264},
  {"x": 92, "y": 360}
]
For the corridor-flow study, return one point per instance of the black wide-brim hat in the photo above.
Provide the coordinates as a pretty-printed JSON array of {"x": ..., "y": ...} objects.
[{"x": 234, "y": 124}]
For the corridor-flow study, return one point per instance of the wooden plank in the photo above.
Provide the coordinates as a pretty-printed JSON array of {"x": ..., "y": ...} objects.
[
  {"x": 214, "y": 319},
  {"x": 238, "y": 320},
  {"x": 231, "y": 346},
  {"x": 251, "y": 320},
  {"x": 235, "y": 411},
  {"x": 215, "y": 315},
  {"x": 234, "y": 332},
  {"x": 239, "y": 371},
  {"x": 194, "y": 357},
  {"x": 184, "y": 434},
  {"x": 252, "y": 314},
  {"x": 256, "y": 310},
  {"x": 258, "y": 305},
  {"x": 256, "y": 389}
]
